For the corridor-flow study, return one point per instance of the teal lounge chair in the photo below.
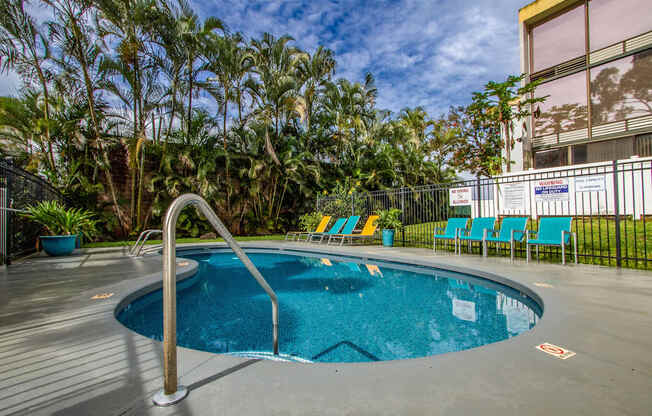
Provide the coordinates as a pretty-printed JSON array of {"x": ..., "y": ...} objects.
[
  {"x": 553, "y": 231},
  {"x": 450, "y": 233},
  {"x": 477, "y": 230},
  {"x": 348, "y": 229},
  {"x": 512, "y": 229},
  {"x": 333, "y": 230}
]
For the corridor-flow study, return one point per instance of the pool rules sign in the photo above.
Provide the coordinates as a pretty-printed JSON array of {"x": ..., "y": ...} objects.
[{"x": 459, "y": 197}]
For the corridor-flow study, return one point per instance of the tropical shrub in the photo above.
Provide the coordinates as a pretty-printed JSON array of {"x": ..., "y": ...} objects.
[
  {"x": 309, "y": 221},
  {"x": 59, "y": 220},
  {"x": 389, "y": 219}
]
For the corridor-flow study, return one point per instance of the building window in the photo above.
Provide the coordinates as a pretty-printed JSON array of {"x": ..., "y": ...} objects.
[
  {"x": 622, "y": 89},
  {"x": 611, "y": 150},
  {"x": 551, "y": 158},
  {"x": 565, "y": 109},
  {"x": 580, "y": 154},
  {"x": 559, "y": 39},
  {"x": 612, "y": 21},
  {"x": 644, "y": 145}
]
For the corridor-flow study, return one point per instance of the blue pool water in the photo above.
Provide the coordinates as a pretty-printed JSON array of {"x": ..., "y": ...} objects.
[{"x": 334, "y": 311}]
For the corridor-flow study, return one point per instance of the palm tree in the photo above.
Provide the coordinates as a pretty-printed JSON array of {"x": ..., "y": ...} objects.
[
  {"x": 24, "y": 47},
  {"x": 416, "y": 122},
  {"x": 194, "y": 36},
  {"x": 274, "y": 91},
  {"x": 314, "y": 72},
  {"x": 225, "y": 57},
  {"x": 80, "y": 58}
]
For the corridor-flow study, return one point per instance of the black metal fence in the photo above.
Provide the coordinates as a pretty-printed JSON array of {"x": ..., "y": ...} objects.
[
  {"x": 19, "y": 189},
  {"x": 611, "y": 206}
]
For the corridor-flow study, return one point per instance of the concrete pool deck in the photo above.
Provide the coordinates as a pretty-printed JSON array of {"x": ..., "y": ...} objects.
[{"x": 63, "y": 353}]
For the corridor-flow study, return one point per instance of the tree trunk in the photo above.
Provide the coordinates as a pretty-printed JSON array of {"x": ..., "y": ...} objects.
[
  {"x": 189, "y": 96},
  {"x": 96, "y": 131},
  {"x": 508, "y": 148}
]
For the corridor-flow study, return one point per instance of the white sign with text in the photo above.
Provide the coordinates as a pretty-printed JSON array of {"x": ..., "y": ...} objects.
[
  {"x": 459, "y": 197},
  {"x": 594, "y": 183},
  {"x": 513, "y": 195}
]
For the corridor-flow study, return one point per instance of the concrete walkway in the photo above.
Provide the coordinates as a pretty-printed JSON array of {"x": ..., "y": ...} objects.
[{"x": 63, "y": 353}]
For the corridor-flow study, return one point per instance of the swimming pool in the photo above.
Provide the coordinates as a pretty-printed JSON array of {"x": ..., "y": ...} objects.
[{"x": 333, "y": 309}]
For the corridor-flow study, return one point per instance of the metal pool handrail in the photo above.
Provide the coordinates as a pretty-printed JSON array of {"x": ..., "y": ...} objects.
[
  {"x": 137, "y": 248},
  {"x": 171, "y": 392}
]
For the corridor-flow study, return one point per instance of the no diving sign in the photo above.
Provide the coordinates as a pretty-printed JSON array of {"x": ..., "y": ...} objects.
[{"x": 555, "y": 351}]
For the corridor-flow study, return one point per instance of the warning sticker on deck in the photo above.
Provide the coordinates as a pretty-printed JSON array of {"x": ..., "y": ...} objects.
[
  {"x": 102, "y": 296},
  {"x": 555, "y": 351}
]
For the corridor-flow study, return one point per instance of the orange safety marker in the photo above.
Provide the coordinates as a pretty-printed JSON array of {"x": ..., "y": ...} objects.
[
  {"x": 555, "y": 351},
  {"x": 102, "y": 296}
]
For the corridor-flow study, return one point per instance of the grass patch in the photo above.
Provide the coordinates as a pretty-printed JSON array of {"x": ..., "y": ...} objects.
[{"x": 183, "y": 240}]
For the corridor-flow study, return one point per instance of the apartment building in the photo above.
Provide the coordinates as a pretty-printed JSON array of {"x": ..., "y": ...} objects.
[{"x": 594, "y": 59}]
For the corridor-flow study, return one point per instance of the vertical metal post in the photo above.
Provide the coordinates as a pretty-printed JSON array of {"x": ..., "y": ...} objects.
[
  {"x": 172, "y": 393},
  {"x": 9, "y": 217},
  {"x": 403, "y": 215},
  {"x": 619, "y": 259},
  {"x": 479, "y": 213}
]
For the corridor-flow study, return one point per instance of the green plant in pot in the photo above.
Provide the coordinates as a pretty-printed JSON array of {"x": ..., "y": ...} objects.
[
  {"x": 389, "y": 221},
  {"x": 62, "y": 226}
]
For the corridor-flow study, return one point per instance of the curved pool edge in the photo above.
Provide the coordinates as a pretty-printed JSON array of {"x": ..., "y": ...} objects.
[
  {"x": 186, "y": 272},
  {"x": 183, "y": 273}
]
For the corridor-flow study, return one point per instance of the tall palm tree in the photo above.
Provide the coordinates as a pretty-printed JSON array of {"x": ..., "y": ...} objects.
[
  {"x": 274, "y": 89},
  {"x": 314, "y": 72},
  {"x": 80, "y": 57},
  {"x": 25, "y": 48},
  {"x": 225, "y": 58},
  {"x": 194, "y": 36}
]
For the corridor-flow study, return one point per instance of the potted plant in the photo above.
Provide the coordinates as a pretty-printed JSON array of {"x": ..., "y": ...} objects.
[
  {"x": 389, "y": 222},
  {"x": 63, "y": 226}
]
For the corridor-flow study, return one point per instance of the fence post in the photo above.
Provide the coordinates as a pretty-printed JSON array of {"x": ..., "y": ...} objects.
[
  {"x": 619, "y": 259},
  {"x": 403, "y": 215},
  {"x": 479, "y": 198},
  {"x": 9, "y": 216}
]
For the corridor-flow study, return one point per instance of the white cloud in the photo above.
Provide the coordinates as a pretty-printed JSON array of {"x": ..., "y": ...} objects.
[{"x": 9, "y": 83}]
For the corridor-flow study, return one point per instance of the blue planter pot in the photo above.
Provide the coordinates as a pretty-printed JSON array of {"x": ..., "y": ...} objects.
[
  {"x": 59, "y": 245},
  {"x": 388, "y": 238}
]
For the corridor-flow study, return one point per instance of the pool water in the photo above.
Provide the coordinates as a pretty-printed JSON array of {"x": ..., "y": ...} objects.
[{"x": 334, "y": 311}]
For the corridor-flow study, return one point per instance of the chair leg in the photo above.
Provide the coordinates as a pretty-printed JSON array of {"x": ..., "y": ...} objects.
[
  {"x": 563, "y": 253},
  {"x": 511, "y": 251},
  {"x": 527, "y": 251},
  {"x": 484, "y": 247},
  {"x": 575, "y": 244}
]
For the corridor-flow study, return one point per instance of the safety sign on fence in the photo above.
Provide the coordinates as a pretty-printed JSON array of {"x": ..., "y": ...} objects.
[
  {"x": 594, "y": 183},
  {"x": 459, "y": 197},
  {"x": 551, "y": 190}
]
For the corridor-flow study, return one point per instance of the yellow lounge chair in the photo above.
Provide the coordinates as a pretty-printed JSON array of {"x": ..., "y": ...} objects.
[
  {"x": 320, "y": 229},
  {"x": 367, "y": 232}
]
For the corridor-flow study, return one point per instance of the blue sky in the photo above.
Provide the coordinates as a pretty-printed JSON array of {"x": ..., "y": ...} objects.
[{"x": 431, "y": 53}]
